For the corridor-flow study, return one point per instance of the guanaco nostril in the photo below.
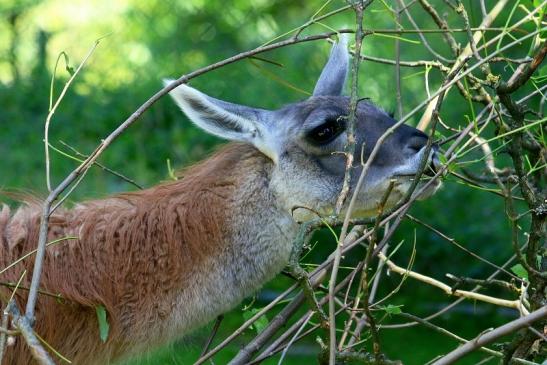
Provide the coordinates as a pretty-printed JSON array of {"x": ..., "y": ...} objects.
[{"x": 415, "y": 143}]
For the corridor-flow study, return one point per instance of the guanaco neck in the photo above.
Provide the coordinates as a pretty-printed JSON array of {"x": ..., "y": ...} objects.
[{"x": 164, "y": 260}]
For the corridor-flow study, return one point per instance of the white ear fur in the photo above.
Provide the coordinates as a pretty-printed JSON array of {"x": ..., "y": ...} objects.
[{"x": 222, "y": 119}]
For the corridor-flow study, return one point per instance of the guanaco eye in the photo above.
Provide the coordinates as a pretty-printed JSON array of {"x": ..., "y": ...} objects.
[{"x": 327, "y": 132}]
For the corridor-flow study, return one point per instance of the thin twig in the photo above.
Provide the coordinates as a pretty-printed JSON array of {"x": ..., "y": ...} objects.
[
  {"x": 53, "y": 108},
  {"x": 359, "y": 7},
  {"x": 516, "y": 304},
  {"x": 496, "y": 10},
  {"x": 211, "y": 337},
  {"x": 103, "y": 167},
  {"x": 398, "y": 95},
  {"x": 5, "y": 323},
  {"x": 34, "y": 344},
  {"x": 445, "y": 332},
  {"x": 486, "y": 338}
]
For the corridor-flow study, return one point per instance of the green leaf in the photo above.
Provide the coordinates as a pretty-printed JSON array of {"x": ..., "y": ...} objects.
[
  {"x": 260, "y": 323},
  {"x": 520, "y": 271},
  {"x": 68, "y": 68},
  {"x": 104, "y": 327},
  {"x": 442, "y": 159},
  {"x": 171, "y": 171},
  {"x": 438, "y": 135},
  {"x": 451, "y": 166},
  {"x": 392, "y": 309}
]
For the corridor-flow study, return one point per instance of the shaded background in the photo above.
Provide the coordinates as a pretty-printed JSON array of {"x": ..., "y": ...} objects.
[{"x": 146, "y": 41}]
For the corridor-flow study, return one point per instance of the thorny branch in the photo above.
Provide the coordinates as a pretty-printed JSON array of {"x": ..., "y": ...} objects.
[{"x": 490, "y": 336}]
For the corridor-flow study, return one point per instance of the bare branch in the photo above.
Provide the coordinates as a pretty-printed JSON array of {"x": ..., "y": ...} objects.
[{"x": 486, "y": 338}]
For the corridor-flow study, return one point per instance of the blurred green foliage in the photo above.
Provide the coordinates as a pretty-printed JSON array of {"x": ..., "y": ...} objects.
[{"x": 147, "y": 40}]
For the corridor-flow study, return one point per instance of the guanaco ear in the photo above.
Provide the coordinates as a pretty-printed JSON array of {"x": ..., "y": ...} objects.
[
  {"x": 334, "y": 74},
  {"x": 226, "y": 120}
]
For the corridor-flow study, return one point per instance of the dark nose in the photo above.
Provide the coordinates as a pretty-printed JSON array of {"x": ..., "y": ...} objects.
[{"x": 415, "y": 143}]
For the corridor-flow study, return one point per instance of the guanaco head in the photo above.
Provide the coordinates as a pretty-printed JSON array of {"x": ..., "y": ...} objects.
[{"x": 305, "y": 143}]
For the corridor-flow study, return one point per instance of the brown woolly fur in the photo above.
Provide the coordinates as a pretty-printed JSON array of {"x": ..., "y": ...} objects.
[{"x": 135, "y": 254}]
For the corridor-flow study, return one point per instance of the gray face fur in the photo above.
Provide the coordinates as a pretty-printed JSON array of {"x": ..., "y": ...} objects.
[{"x": 304, "y": 139}]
